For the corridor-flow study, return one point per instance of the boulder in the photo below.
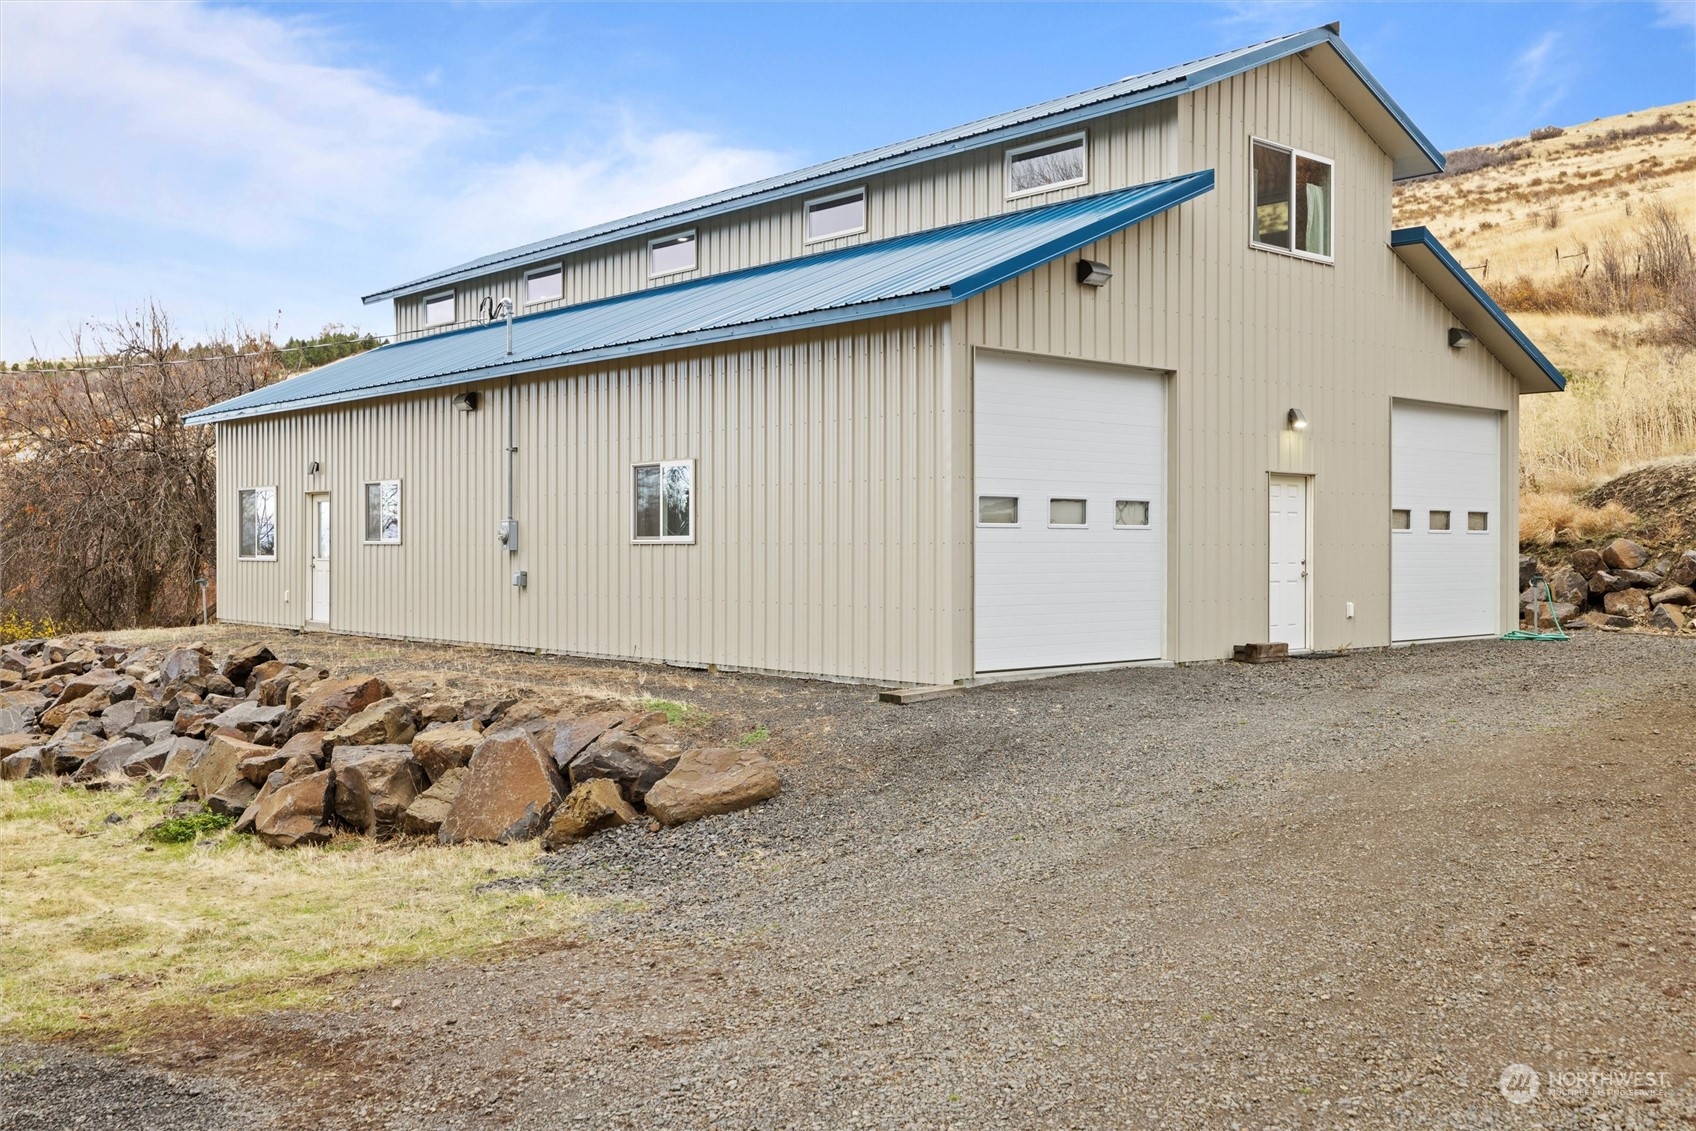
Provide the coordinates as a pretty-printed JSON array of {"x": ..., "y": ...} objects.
[
  {"x": 121, "y": 716},
  {"x": 425, "y": 815},
  {"x": 426, "y": 709},
  {"x": 441, "y": 748},
  {"x": 1564, "y": 611},
  {"x": 195, "y": 720},
  {"x": 26, "y": 763},
  {"x": 712, "y": 780},
  {"x": 248, "y": 717},
  {"x": 32, "y": 702},
  {"x": 220, "y": 763},
  {"x": 1623, "y": 553},
  {"x": 1529, "y": 571},
  {"x": 1640, "y": 579},
  {"x": 315, "y": 743},
  {"x": 185, "y": 665},
  {"x": 1602, "y": 582},
  {"x": 62, "y": 712},
  {"x": 1683, "y": 571},
  {"x": 626, "y": 759},
  {"x": 153, "y": 756},
  {"x": 233, "y": 799},
  {"x": 384, "y": 723},
  {"x": 510, "y": 791},
  {"x": 242, "y": 662},
  {"x": 374, "y": 786},
  {"x": 181, "y": 755},
  {"x": 110, "y": 760},
  {"x": 1603, "y": 620},
  {"x": 573, "y": 736},
  {"x": 589, "y": 808},
  {"x": 1569, "y": 585},
  {"x": 96, "y": 679},
  {"x": 270, "y": 669},
  {"x": 330, "y": 703},
  {"x": 1585, "y": 562},
  {"x": 1627, "y": 603},
  {"x": 1674, "y": 595},
  {"x": 297, "y": 812},
  {"x": 64, "y": 756},
  {"x": 12, "y": 743},
  {"x": 81, "y": 722},
  {"x": 1669, "y": 618},
  {"x": 15, "y": 719},
  {"x": 257, "y": 767},
  {"x": 274, "y": 690}
]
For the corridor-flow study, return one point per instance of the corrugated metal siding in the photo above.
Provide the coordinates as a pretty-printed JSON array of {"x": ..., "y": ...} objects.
[
  {"x": 1128, "y": 148},
  {"x": 826, "y": 481},
  {"x": 1249, "y": 334}
]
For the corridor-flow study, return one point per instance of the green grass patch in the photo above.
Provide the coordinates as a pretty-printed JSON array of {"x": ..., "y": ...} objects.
[
  {"x": 755, "y": 736},
  {"x": 677, "y": 714},
  {"x": 187, "y": 830}
]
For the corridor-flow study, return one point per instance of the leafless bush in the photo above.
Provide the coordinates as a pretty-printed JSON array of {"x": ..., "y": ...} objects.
[
  {"x": 1650, "y": 269},
  {"x": 1665, "y": 124},
  {"x": 1544, "y": 133}
]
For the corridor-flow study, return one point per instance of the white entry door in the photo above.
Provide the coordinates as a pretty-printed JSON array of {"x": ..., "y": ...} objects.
[
  {"x": 1070, "y": 503},
  {"x": 1446, "y": 567},
  {"x": 320, "y": 559},
  {"x": 1288, "y": 598}
]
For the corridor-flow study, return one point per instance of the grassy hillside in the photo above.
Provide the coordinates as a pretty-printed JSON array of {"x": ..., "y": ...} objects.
[{"x": 1584, "y": 234}]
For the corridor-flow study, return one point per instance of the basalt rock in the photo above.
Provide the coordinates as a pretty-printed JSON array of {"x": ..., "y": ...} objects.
[
  {"x": 510, "y": 792},
  {"x": 712, "y": 780}
]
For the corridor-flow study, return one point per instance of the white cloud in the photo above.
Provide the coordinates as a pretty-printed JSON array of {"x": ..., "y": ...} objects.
[
  {"x": 1267, "y": 19},
  {"x": 1676, "y": 13},
  {"x": 1539, "y": 76},
  {"x": 228, "y": 160}
]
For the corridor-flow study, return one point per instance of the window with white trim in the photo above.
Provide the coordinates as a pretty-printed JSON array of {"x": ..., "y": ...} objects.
[
  {"x": 664, "y": 500},
  {"x": 438, "y": 309},
  {"x": 382, "y": 512},
  {"x": 1292, "y": 201},
  {"x": 832, "y": 217},
  {"x": 998, "y": 510},
  {"x": 1478, "y": 522},
  {"x": 1401, "y": 519},
  {"x": 1068, "y": 512},
  {"x": 1130, "y": 514},
  {"x": 1438, "y": 520},
  {"x": 545, "y": 285},
  {"x": 257, "y": 523},
  {"x": 1052, "y": 164},
  {"x": 670, "y": 254}
]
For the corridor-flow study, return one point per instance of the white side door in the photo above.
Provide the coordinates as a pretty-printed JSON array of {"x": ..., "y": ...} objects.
[
  {"x": 1445, "y": 522},
  {"x": 320, "y": 559},
  {"x": 1287, "y": 600},
  {"x": 1070, "y": 501}
]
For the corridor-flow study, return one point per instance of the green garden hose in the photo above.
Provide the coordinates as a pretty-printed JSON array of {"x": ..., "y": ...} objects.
[{"x": 1558, "y": 634}]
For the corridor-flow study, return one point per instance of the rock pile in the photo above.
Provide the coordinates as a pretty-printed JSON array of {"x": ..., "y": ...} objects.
[
  {"x": 1617, "y": 586},
  {"x": 293, "y": 755}
]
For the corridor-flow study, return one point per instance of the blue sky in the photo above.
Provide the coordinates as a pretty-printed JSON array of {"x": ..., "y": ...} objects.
[{"x": 270, "y": 164}]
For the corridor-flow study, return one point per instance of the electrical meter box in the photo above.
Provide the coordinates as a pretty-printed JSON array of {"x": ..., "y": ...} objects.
[{"x": 508, "y": 536}]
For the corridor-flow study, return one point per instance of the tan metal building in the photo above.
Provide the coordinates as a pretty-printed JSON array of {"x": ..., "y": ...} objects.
[{"x": 1134, "y": 375}]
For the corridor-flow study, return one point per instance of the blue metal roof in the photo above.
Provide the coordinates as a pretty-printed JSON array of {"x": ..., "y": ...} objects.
[
  {"x": 1451, "y": 283},
  {"x": 1414, "y": 156},
  {"x": 923, "y": 270}
]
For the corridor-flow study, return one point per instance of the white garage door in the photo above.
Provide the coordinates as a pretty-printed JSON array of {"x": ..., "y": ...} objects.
[
  {"x": 1070, "y": 510},
  {"x": 1445, "y": 522}
]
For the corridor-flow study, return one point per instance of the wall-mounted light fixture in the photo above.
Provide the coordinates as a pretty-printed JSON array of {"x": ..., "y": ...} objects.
[
  {"x": 1093, "y": 274},
  {"x": 312, "y": 467},
  {"x": 1296, "y": 421},
  {"x": 465, "y": 402},
  {"x": 1460, "y": 339}
]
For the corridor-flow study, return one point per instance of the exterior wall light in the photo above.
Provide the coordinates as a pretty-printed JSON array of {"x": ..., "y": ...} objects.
[
  {"x": 312, "y": 467},
  {"x": 465, "y": 402},
  {"x": 1459, "y": 339},
  {"x": 1093, "y": 274},
  {"x": 1296, "y": 421}
]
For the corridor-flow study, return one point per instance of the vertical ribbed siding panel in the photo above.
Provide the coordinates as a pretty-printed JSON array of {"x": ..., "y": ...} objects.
[
  {"x": 1247, "y": 335},
  {"x": 821, "y": 510}
]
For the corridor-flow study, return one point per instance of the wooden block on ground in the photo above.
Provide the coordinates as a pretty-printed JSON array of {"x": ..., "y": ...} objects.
[
  {"x": 1260, "y": 653},
  {"x": 906, "y": 695}
]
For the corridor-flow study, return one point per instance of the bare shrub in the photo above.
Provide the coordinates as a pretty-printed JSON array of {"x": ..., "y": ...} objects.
[
  {"x": 1544, "y": 133},
  {"x": 1545, "y": 516},
  {"x": 1665, "y": 124}
]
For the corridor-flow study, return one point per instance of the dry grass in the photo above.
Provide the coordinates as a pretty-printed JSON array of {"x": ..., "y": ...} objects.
[
  {"x": 1548, "y": 516},
  {"x": 102, "y": 931}
]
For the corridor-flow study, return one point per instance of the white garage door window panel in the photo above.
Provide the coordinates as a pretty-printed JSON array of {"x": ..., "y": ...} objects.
[
  {"x": 1049, "y": 597},
  {"x": 1445, "y": 584}
]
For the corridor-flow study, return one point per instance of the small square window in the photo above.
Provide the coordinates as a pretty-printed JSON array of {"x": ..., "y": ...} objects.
[
  {"x": 1478, "y": 520},
  {"x": 671, "y": 254},
  {"x": 1067, "y": 512},
  {"x": 544, "y": 286},
  {"x": 1046, "y": 165},
  {"x": 665, "y": 501},
  {"x": 1401, "y": 520},
  {"x": 1439, "y": 520},
  {"x": 257, "y": 523},
  {"x": 998, "y": 510},
  {"x": 438, "y": 309},
  {"x": 382, "y": 512},
  {"x": 1130, "y": 512},
  {"x": 841, "y": 215}
]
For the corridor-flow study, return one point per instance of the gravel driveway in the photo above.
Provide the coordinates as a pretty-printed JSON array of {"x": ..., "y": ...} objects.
[{"x": 1331, "y": 892}]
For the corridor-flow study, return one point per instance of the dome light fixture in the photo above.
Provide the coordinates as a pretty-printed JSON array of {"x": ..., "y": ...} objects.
[{"x": 1296, "y": 420}]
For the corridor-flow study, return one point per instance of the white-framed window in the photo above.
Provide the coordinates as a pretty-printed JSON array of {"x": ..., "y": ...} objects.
[
  {"x": 1438, "y": 521},
  {"x": 438, "y": 309},
  {"x": 1046, "y": 165},
  {"x": 1401, "y": 519},
  {"x": 670, "y": 254},
  {"x": 831, "y": 217},
  {"x": 1478, "y": 522},
  {"x": 664, "y": 501},
  {"x": 382, "y": 512},
  {"x": 1068, "y": 512},
  {"x": 1130, "y": 514},
  {"x": 257, "y": 524},
  {"x": 998, "y": 510},
  {"x": 1292, "y": 209},
  {"x": 545, "y": 284}
]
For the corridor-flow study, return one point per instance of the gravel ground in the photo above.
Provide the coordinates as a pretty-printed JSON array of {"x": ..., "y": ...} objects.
[{"x": 1332, "y": 892}]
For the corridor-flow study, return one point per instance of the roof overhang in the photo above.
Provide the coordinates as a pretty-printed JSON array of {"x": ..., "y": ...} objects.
[
  {"x": 1476, "y": 310},
  {"x": 1412, "y": 153}
]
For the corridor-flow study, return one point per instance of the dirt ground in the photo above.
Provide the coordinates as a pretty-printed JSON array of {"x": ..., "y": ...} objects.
[{"x": 1326, "y": 893}]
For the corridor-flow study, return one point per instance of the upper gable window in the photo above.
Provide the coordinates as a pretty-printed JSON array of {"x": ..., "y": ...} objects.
[
  {"x": 1046, "y": 165},
  {"x": 1292, "y": 201},
  {"x": 438, "y": 309},
  {"x": 671, "y": 254},
  {"x": 545, "y": 285},
  {"x": 841, "y": 215}
]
